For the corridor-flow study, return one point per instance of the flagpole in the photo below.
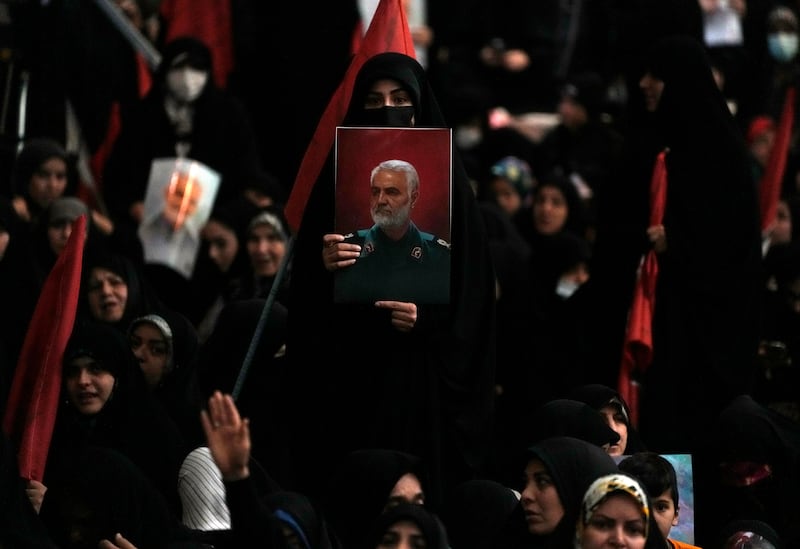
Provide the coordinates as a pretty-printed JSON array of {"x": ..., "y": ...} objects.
[
  {"x": 262, "y": 321},
  {"x": 130, "y": 32}
]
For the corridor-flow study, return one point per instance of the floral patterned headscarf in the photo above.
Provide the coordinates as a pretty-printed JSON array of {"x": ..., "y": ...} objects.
[{"x": 604, "y": 487}]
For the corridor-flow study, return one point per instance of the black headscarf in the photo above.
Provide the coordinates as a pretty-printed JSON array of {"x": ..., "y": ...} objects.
[
  {"x": 179, "y": 390},
  {"x": 428, "y": 392},
  {"x": 565, "y": 417},
  {"x": 34, "y": 153},
  {"x": 428, "y": 523},
  {"x": 599, "y": 396},
  {"x": 130, "y": 422},
  {"x": 297, "y": 512},
  {"x": 572, "y": 464},
  {"x": 142, "y": 298},
  {"x": 99, "y": 493},
  {"x": 476, "y": 511},
  {"x": 359, "y": 490}
]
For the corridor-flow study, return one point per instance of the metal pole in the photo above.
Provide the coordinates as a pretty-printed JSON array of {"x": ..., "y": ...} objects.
[
  {"x": 130, "y": 32},
  {"x": 262, "y": 321}
]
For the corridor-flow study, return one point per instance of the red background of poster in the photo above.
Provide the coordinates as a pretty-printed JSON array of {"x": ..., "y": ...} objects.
[{"x": 359, "y": 150}]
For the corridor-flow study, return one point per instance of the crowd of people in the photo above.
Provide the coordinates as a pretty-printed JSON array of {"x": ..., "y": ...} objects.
[{"x": 312, "y": 385}]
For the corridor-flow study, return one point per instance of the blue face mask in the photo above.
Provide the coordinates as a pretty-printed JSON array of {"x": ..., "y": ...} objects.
[{"x": 782, "y": 46}]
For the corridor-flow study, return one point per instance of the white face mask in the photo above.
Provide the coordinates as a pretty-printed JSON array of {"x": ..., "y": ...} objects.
[
  {"x": 782, "y": 46},
  {"x": 566, "y": 287},
  {"x": 186, "y": 84}
]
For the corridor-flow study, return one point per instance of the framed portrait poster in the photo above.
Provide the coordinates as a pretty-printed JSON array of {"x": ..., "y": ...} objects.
[{"x": 394, "y": 199}]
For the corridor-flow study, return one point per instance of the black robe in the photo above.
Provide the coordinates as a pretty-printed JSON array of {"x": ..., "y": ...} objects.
[
  {"x": 429, "y": 391},
  {"x": 705, "y": 328}
]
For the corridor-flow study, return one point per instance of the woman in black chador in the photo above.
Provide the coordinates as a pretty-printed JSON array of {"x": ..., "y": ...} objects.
[{"x": 427, "y": 388}]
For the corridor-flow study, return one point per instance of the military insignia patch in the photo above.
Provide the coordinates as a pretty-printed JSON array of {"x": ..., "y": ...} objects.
[
  {"x": 416, "y": 252},
  {"x": 443, "y": 242},
  {"x": 369, "y": 247}
]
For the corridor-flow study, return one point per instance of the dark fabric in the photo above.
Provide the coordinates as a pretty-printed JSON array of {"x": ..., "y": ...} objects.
[
  {"x": 706, "y": 321},
  {"x": 95, "y": 493},
  {"x": 179, "y": 391},
  {"x": 34, "y": 153},
  {"x": 262, "y": 395},
  {"x": 299, "y": 513},
  {"x": 475, "y": 513},
  {"x": 428, "y": 392},
  {"x": 573, "y": 464},
  {"x": 429, "y": 525},
  {"x": 20, "y": 526},
  {"x": 251, "y": 518},
  {"x": 748, "y": 432},
  {"x": 359, "y": 490},
  {"x": 142, "y": 298},
  {"x": 599, "y": 396},
  {"x": 131, "y": 422},
  {"x": 565, "y": 417}
]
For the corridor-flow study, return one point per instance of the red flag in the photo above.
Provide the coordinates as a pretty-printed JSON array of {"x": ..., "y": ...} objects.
[
  {"x": 91, "y": 194},
  {"x": 35, "y": 390},
  {"x": 208, "y": 21},
  {"x": 637, "y": 352},
  {"x": 771, "y": 182},
  {"x": 388, "y": 31}
]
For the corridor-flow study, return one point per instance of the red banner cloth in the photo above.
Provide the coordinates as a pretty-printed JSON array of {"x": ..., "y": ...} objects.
[
  {"x": 30, "y": 413},
  {"x": 637, "y": 352},
  {"x": 769, "y": 187},
  {"x": 388, "y": 31}
]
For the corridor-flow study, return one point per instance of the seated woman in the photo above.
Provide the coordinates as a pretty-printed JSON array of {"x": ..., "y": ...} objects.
[
  {"x": 616, "y": 512},
  {"x": 556, "y": 474},
  {"x": 105, "y": 403}
]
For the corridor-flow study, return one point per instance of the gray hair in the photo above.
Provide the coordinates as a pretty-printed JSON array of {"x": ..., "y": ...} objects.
[{"x": 412, "y": 177}]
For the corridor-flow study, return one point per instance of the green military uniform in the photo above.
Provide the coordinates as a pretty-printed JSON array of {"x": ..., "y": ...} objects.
[{"x": 414, "y": 269}]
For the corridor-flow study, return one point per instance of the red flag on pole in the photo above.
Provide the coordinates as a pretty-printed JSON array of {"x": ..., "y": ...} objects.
[
  {"x": 35, "y": 390},
  {"x": 769, "y": 187},
  {"x": 637, "y": 352},
  {"x": 388, "y": 31}
]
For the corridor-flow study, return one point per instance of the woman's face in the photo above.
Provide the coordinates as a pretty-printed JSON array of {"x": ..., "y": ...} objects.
[
  {"x": 550, "y": 210},
  {"x": 48, "y": 182},
  {"x": 88, "y": 384},
  {"x": 387, "y": 93},
  {"x": 652, "y": 88},
  {"x": 266, "y": 249},
  {"x": 58, "y": 234},
  {"x": 616, "y": 421},
  {"x": 107, "y": 295},
  {"x": 617, "y": 522},
  {"x": 152, "y": 352},
  {"x": 222, "y": 244},
  {"x": 403, "y": 534},
  {"x": 540, "y": 500},
  {"x": 407, "y": 489}
]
